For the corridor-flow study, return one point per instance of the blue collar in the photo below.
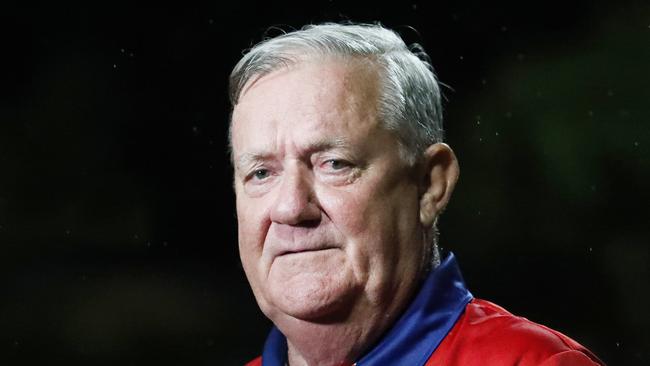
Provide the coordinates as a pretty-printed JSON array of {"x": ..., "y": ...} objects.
[{"x": 412, "y": 340}]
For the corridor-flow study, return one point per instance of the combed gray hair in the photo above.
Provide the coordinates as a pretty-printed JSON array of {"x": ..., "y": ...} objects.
[{"x": 409, "y": 104}]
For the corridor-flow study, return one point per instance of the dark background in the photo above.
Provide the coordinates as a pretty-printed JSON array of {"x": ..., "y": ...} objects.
[{"x": 117, "y": 227}]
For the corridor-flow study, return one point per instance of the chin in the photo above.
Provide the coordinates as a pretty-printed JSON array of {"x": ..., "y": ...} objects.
[{"x": 314, "y": 301}]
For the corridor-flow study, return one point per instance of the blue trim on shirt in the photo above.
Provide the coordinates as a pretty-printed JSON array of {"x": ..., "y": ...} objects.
[
  {"x": 416, "y": 335},
  {"x": 275, "y": 349}
]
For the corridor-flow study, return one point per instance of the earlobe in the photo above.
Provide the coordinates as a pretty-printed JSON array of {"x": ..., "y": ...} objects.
[
  {"x": 427, "y": 211},
  {"x": 440, "y": 172}
]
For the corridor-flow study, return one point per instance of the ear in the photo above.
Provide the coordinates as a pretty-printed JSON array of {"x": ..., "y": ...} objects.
[{"x": 439, "y": 175}]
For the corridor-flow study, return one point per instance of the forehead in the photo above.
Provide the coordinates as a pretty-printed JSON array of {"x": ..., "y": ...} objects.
[{"x": 311, "y": 98}]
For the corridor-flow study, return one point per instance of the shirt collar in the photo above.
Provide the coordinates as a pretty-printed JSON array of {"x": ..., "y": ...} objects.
[{"x": 418, "y": 332}]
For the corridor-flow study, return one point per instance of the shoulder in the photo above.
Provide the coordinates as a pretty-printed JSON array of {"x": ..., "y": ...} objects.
[{"x": 487, "y": 334}]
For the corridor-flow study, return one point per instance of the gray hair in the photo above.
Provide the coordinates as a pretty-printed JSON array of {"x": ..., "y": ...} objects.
[{"x": 409, "y": 104}]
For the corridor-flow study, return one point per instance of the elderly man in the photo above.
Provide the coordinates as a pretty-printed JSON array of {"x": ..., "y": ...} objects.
[{"x": 340, "y": 174}]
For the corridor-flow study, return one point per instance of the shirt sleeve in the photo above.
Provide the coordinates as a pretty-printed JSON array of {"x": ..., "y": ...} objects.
[{"x": 570, "y": 358}]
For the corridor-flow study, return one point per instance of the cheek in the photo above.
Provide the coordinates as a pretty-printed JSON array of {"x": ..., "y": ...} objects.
[
  {"x": 376, "y": 223},
  {"x": 251, "y": 227},
  {"x": 345, "y": 209},
  {"x": 356, "y": 216},
  {"x": 251, "y": 233},
  {"x": 362, "y": 211}
]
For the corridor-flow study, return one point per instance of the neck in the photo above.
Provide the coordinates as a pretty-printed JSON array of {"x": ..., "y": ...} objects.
[
  {"x": 327, "y": 345},
  {"x": 314, "y": 344}
]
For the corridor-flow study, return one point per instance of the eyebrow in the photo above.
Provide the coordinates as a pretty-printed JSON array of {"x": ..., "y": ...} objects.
[{"x": 250, "y": 158}]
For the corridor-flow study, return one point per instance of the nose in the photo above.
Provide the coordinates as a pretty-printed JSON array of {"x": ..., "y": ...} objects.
[{"x": 295, "y": 203}]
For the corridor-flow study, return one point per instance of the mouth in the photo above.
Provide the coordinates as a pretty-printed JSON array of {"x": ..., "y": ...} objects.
[{"x": 305, "y": 251}]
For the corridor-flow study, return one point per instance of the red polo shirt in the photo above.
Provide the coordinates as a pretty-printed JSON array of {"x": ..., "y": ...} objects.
[{"x": 445, "y": 326}]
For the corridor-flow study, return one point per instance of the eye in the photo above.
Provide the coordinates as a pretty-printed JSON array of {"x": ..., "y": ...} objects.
[
  {"x": 261, "y": 174},
  {"x": 336, "y": 171},
  {"x": 337, "y": 164}
]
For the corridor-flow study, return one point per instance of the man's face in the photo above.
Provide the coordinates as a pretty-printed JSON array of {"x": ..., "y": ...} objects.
[{"x": 327, "y": 209}]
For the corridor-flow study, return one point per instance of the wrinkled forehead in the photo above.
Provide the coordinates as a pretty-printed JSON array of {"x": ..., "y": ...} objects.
[
  {"x": 312, "y": 95},
  {"x": 360, "y": 76},
  {"x": 312, "y": 87}
]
